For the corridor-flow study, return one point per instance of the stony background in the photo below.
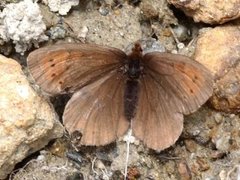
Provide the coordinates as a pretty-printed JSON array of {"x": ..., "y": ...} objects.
[{"x": 208, "y": 31}]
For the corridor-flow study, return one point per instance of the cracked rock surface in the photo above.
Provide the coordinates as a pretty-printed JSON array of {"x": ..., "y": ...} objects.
[
  {"x": 209, "y": 11},
  {"x": 27, "y": 121}
]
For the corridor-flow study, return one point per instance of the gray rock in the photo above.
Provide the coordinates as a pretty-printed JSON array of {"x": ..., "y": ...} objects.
[
  {"x": 22, "y": 23},
  {"x": 27, "y": 121}
]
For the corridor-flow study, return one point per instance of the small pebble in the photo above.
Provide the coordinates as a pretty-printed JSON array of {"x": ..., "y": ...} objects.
[
  {"x": 83, "y": 32},
  {"x": 218, "y": 118},
  {"x": 217, "y": 155},
  {"x": 57, "y": 32},
  {"x": 99, "y": 165},
  {"x": 203, "y": 164},
  {"x": 184, "y": 171},
  {"x": 103, "y": 10},
  {"x": 222, "y": 175},
  {"x": 152, "y": 174},
  {"x": 191, "y": 146},
  {"x": 133, "y": 173},
  {"x": 222, "y": 143}
]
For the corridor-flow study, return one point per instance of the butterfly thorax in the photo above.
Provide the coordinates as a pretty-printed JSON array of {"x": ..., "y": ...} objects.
[
  {"x": 134, "y": 69},
  {"x": 134, "y": 66}
]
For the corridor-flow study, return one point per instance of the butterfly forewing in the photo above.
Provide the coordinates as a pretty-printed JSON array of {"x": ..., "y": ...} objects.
[
  {"x": 172, "y": 85},
  {"x": 96, "y": 110},
  {"x": 67, "y": 67},
  {"x": 188, "y": 83}
]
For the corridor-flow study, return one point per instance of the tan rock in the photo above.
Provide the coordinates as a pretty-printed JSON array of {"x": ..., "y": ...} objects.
[
  {"x": 155, "y": 9},
  {"x": 219, "y": 50},
  {"x": 209, "y": 11},
  {"x": 184, "y": 171},
  {"x": 27, "y": 121}
]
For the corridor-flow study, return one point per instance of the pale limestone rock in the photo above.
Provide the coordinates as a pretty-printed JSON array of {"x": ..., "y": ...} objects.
[
  {"x": 209, "y": 11},
  {"x": 22, "y": 23},
  {"x": 27, "y": 121},
  {"x": 61, "y": 6}
]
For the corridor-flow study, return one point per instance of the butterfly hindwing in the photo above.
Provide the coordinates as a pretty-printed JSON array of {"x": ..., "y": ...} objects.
[
  {"x": 171, "y": 85},
  {"x": 155, "y": 123},
  {"x": 96, "y": 110}
]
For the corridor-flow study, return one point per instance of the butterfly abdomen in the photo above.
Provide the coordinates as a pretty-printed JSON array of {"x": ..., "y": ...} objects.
[
  {"x": 130, "y": 98},
  {"x": 131, "y": 92}
]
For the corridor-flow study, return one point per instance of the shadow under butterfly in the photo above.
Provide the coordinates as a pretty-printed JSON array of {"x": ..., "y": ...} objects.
[{"x": 113, "y": 90}]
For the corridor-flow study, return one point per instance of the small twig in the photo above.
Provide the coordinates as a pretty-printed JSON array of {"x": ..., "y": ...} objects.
[
  {"x": 180, "y": 45},
  {"x": 93, "y": 163},
  {"x": 174, "y": 36},
  {"x": 170, "y": 158}
]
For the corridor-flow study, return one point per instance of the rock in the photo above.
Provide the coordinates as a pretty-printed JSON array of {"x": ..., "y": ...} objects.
[
  {"x": 133, "y": 173},
  {"x": 184, "y": 171},
  {"x": 227, "y": 94},
  {"x": 225, "y": 136},
  {"x": 217, "y": 154},
  {"x": 196, "y": 127},
  {"x": 155, "y": 9},
  {"x": 27, "y": 121},
  {"x": 191, "y": 146},
  {"x": 148, "y": 10},
  {"x": 153, "y": 174},
  {"x": 57, "y": 32},
  {"x": 208, "y": 11},
  {"x": 219, "y": 50},
  {"x": 202, "y": 163},
  {"x": 222, "y": 142},
  {"x": 61, "y": 6},
  {"x": 24, "y": 25}
]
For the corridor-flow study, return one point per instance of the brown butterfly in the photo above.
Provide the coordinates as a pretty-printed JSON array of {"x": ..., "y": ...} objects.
[{"x": 113, "y": 89}]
